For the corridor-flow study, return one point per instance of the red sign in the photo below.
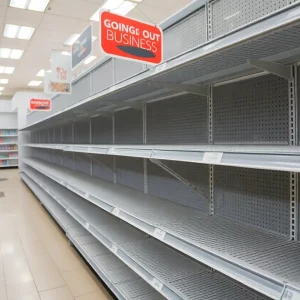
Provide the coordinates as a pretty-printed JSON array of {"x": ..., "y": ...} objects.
[
  {"x": 130, "y": 39},
  {"x": 40, "y": 104}
]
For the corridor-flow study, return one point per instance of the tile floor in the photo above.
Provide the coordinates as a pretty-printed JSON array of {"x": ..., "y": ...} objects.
[{"x": 36, "y": 260}]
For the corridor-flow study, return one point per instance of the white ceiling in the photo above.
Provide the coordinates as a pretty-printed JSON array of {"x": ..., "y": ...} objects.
[{"x": 61, "y": 19}]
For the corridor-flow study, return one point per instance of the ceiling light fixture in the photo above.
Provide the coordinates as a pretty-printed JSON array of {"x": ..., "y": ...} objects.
[
  {"x": 89, "y": 60},
  {"x": 120, "y": 7},
  {"x": 3, "y": 81},
  {"x": 34, "y": 83},
  {"x": 18, "y": 32},
  {"x": 11, "y": 53},
  {"x": 6, "y": 70},
  {"x": 41, "y": 73},
  {"x": 35, "y": 5},
  {"x": 125, "y": 8},
  {"x": 1, "y": 88},
  {"x": 66, "y": 53}
]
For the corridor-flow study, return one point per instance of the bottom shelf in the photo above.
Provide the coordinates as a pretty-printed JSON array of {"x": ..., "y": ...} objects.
[
  {"x": 175, "y": 275},
  {"x": 121, "y": 280}
]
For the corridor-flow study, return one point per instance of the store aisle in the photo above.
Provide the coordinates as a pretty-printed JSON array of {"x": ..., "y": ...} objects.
[{"x": 37, "y": 262}]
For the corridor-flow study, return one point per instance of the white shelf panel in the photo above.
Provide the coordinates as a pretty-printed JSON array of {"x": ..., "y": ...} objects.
[
  {"x": 281, "y": 158},
  {"x": 9, "y": 143},
  {"x": 9, "y": 158},
  {"x": 221, "y": 244},
  {"x": 10, "y": 166},
  {"x": 13, "y": 135},
  {"x": 213, "y": 62},
  {"x": 123, "y": 282},
  {"x": 8, "y": 151},
  {"x": 165, "y": 269}
]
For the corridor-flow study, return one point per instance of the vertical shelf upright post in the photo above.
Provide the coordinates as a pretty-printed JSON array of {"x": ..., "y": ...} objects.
[{"x": 293, "y": 141}]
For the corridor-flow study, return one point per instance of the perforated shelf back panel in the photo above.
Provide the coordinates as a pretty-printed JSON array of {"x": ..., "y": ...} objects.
[
  {"x": 130, "y": 172},
  {"x": 102, "y": 130},
  {"x": 124, "y": 69},
  {"x": 164, "y": 185},
  {"x": 185, "y": 35},
  {"x": 68, "y": 159},
  {"x": 57, "y": 135},
  {"x": 82, "y": 132},
  {"x": 81, "y": 89},
  {"x": 103, "y": 170},
  {"x": 180, "y": 120},
  {"x": 102, "y": 77},
  {"x": 82, "y": 163},
  {"x": 67, "y": 133},
  {"x": 253, "y": 111},
  {"x": 228, "y": 15},
  {"x": 129, "y": 126},
  {"x": 256, "y": 197}
]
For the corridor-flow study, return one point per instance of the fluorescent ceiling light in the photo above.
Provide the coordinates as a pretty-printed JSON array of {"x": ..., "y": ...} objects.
[
  {"x": 11, "y": 53},
  {"x": 11, "y": 31},
  {"x": 34, "y": 83},
  {"x": 25, "y": 33},
  {"x": 108, "y": 5},
  {"x": 89, "y": 60},
  {"x": 20, "y": 32},
  {"x": 16, "y": 54},
  {"x": 41, "y": 73},
  {"x": 124, "y": 8},
  {"x": 3, "y": 81},
  {"x": 5, "y": 52},
  {"x": 36, "y": 5},
  {"x": 66, "y": 53},
  {"x": 18, "y": 3},
  {"x": 6, "y": 70},
  {"x": 1, "y": 88}
]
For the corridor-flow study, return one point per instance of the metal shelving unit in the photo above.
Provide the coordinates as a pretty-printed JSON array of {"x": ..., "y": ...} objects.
[
  {"x": 198, "y": 158},
  {"x": 123, "y": 282},
  {"x": 8, "y": 137},
  {"x": 165, "y": 269}
]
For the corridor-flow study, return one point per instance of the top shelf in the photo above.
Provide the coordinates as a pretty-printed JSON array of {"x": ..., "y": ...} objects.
[{"x": 273, "y": 38}]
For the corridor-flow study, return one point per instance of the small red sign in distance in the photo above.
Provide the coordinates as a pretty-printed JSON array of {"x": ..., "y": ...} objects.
[
  {"x": 130, "y": 39},
  {"x": 40, "y": 104}
]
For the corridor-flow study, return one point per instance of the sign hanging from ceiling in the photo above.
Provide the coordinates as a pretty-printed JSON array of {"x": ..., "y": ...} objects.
[
  {"x": 130, "y": 39},
  {"x": 82, "y": 48},
  {"x": 40, "y": 104},
  {"x": 59, "y": 81}
]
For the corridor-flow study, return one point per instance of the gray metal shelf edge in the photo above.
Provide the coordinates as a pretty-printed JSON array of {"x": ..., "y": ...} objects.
[
  {"x": 280, "y": 158},
  {"x": 39, "y": 190},
  {"x": 282, "y": 20},
  {"x": 121, "y": 250},
  {"x": 238, "y": 269}
]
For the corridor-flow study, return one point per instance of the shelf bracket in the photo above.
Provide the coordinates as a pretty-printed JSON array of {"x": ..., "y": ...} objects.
[
  {"x": 280, "y": 70},
  {"x": 97, "y": 160},
  {"x": 177, "y": 176},
  {"x": 137, "y": 106},
  {"x": 105, "y": 114},
  {"x": 189, "y": 88}
]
